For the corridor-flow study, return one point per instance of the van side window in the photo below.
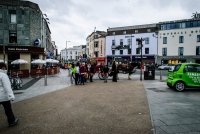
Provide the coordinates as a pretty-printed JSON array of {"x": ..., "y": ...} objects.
[
  {"x": 186, "y": 68},
  {"x": 191, "y": 68},
  {"x": 176, "y": 68},
  {"x": 197, "y": 68}
]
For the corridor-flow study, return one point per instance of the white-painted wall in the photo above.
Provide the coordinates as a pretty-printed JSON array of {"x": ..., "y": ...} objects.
[
  {"x": 152, "y": 43},
  {"x": 189, "y": 44}
]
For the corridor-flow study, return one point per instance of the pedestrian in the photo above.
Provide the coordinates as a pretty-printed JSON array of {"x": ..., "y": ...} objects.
[
  {"x": 114, "y": 71},
  {"x": 105, "y": 73},
  {"x": 77, "y": 76},
  {"x": 82, "y": 73},
  {"x": 130, "y": 69},
  {"x": 87, "y": 71},
  {"x": 6, "y": 95},
  {"x": 91, "y": 72}
]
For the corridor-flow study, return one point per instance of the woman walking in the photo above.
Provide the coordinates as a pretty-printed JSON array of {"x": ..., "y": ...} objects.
[
  {"x": 114, "y": 71},
  {"x": 6, "y": 95}
]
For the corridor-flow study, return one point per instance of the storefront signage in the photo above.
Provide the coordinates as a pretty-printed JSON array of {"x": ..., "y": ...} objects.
[
  {"x": 18, "y": 49},
  {"x": 173, "y": 57},
  {"x": 196, "y": 57}
]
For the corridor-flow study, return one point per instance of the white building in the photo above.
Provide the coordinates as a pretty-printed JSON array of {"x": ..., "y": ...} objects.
[
  {"x": 179, "y": 41},
  {"x": 71, "y": 54},
  {"x": 126, "y": 36}
]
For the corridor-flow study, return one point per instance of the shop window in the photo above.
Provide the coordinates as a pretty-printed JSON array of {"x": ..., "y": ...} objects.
[{"x": 12, "y": 37}]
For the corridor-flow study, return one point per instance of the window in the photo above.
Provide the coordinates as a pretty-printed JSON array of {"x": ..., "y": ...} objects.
[
  {"x": 198, "y": 38},
  {"x": 164, "y": 40},
  {"x": 129, "y": 41},
  {"x": 146, "y": 50},
  {"x": 197, "y": 50},
  {"x": 192, "y": 68},
  {"x": 180, "y": 51},
  {"x": 113, "y": 33},
  {"x": 137, "y": 41},
  {"x": 113, "y": 52},
  {"x": 136, "y": 31},
  {"x": 121, "y": 42},
  {"x": 181, "y": 38},
  {"x": 13, "y": 16},
  {"x": 12, "y": 37},
  {"x": 96, "y": 53},
  {"x": 96, "y": 44},
  {"x": 124, "y": 32},
  {"x": 147, "y": 40},
  {"x": 121, "y": 51},
  {"x": 95, "y": 36},
  {"x": 164, "y": 51},
  {"x": 71, "y": 52},
  {"x": 113, "y": 42},
  {"x": 137, "y": 50},
  {"x": 148, "y": 30},
  {"x": 129, "y": 51}
]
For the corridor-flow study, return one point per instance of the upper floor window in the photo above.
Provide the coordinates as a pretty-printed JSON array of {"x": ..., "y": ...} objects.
[
  {"x": 129, "y": 41},
  {"x": 137, "y": 50},
  {"x": 13, "y": 16},
  {"x": 129, "y": 51},
  {"x": 113, "y": 42},
  {"x": 113, "y": 52},
  {"x": 96, "y": 44},
  {"x": 197, "y": 50},
  {"x": 113, "y": 33},
  {"x": 12, "y": 37},
  {"x": 198, "y": 38},
  {"x": 71, "y": 52},
  {"x": 148, "y": 30},
  {"x": 121, "y": 41},
  {"x": 180, "y": 51},
  {"x": 136, "y": 31},
  {"x": 181, "y": 38},
  {"x": 146, "y": 50},
  {"x": 164, "y": 51},
  {"x": 121, "y": 51},
  {"x": 164, "y": 40},
  {"x": 124, "y": 32},
  {"x": 147, "y": 40},
  {"x": 137, "y": 41}
]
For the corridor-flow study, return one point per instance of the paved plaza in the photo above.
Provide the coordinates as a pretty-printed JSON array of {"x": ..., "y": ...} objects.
[{"x": 128, "y": 106}]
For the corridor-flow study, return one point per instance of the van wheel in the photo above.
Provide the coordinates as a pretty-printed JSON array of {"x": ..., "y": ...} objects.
[{"x": 179, "y": 86}]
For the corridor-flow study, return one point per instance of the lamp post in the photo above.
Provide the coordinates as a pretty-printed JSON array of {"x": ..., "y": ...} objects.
[
  {"x": 3, "y": 35},
  {"x": 140, "y": 46}
]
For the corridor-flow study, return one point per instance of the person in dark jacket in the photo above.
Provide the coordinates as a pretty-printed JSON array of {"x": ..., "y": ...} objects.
[
  {"x": 105, "y": 73},
  {"x": 91, "y": 72},
  {"x": 114, "y": 71},
  {"x": 130, "y": 69}
]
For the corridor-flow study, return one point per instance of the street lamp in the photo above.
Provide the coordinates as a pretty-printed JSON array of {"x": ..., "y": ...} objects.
[
  {"x": 3, "y": 35},
  {"x": 140, "y": 45}
]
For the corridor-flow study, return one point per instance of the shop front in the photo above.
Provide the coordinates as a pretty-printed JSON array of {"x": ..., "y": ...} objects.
[{"x": 173, "y": 59}]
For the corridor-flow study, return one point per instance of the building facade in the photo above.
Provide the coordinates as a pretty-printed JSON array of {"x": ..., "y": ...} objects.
[
  {"x": 179, "y": 41},
  {"x": 24, "y": 33},
  {"x": 126, "y": 38}
]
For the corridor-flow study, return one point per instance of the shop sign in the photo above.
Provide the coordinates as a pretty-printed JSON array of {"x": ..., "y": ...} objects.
[
  {"x": 17, "y": 49},
  {"x": 173, "y": 57}
]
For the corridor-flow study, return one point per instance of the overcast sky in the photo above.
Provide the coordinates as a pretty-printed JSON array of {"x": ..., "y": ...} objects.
[{"x": 74, "y": 20}]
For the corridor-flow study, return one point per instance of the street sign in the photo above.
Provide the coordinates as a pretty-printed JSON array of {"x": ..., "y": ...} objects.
[{"x": 129, "y": 36}]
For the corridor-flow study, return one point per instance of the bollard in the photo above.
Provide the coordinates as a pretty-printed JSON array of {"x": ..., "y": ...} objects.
[
  {"x": 160, "y": 74},
  {"x": 45, "y": 80},
  {"x": 52, "y": 72}
]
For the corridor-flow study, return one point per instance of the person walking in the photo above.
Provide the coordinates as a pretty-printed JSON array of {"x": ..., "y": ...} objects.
[
  {"x": 130, "y": 69},
  {"x": 6, "y": 95},
  {"x": 77, "y": 76},
  {"x": 105, "y": 73},
  {"x": 82, "y": 73},
  {"x": 91, "y": 72},
  {"x": 114, "y": 71}
]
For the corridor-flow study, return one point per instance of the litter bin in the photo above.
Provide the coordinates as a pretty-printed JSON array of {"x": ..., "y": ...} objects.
[{"x": 149, "y": 72}]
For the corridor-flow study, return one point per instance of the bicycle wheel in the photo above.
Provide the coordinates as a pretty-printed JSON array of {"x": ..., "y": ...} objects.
[{"x": 100, "y": 76}]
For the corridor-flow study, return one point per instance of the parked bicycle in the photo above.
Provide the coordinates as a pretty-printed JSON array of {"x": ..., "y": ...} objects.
[{"x": 16, "y": 82}]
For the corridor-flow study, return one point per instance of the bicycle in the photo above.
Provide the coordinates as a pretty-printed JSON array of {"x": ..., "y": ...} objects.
[{"x": 16, "y": 82}]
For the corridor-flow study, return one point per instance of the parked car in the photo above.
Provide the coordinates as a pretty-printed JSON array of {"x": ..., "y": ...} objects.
[
  {"x": 163, "y": 67},
  {"x": 184, "y": 75}
]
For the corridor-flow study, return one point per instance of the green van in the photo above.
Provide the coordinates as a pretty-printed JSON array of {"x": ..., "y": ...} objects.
[{"x": 184, "y": 75}]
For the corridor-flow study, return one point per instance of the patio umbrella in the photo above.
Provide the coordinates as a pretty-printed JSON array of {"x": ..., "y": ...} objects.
[
  {"x": 38, "y": 61},
  {"x": 2, "y": 61},
  {"x": 52, "y": 61},
  {"x": 19, "y": 61}
]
